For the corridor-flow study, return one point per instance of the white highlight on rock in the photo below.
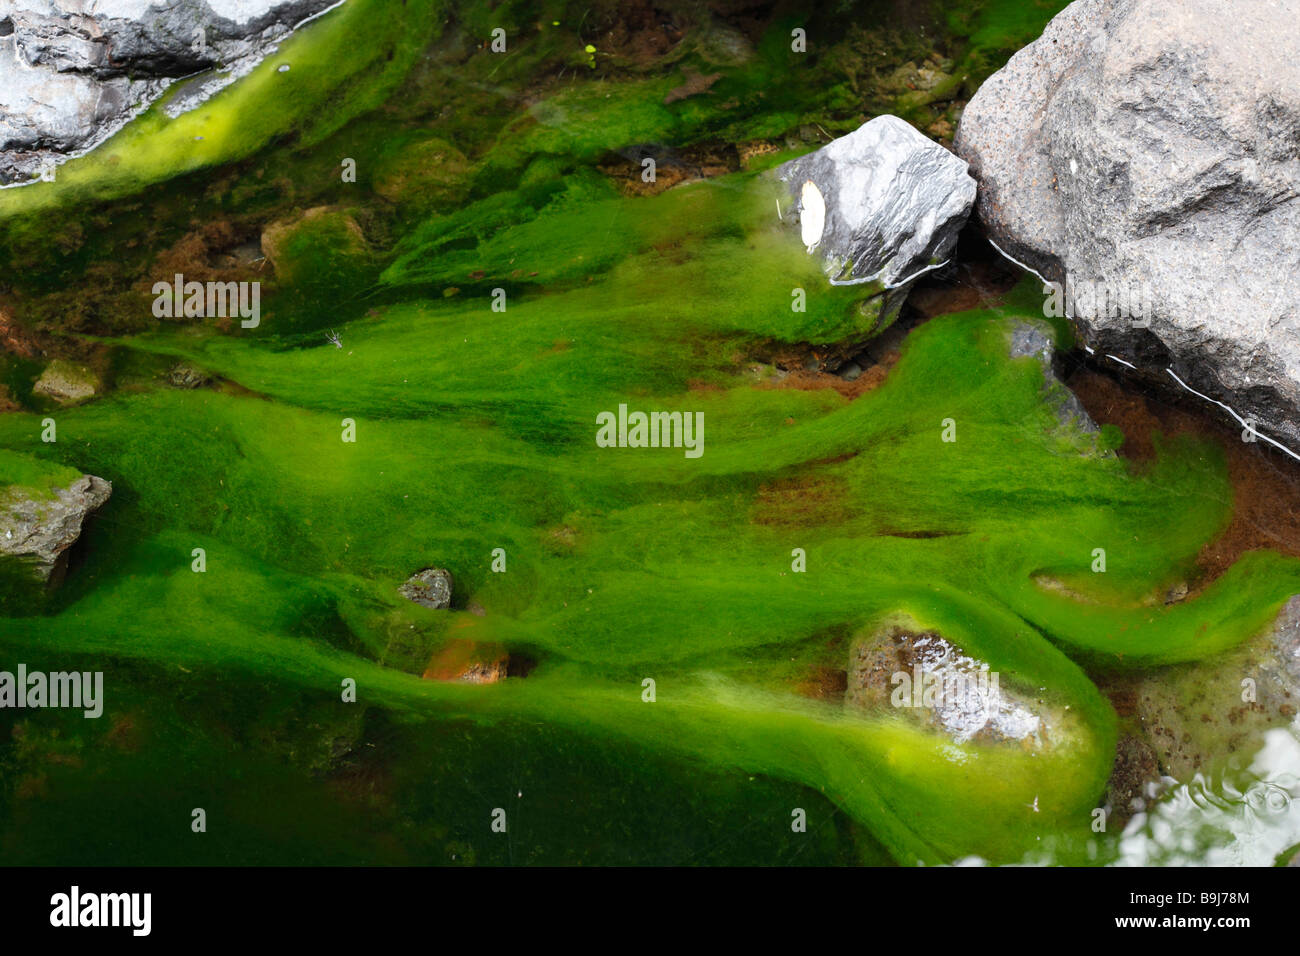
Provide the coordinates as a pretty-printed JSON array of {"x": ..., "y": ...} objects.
[{"x": 812, "y": 214}]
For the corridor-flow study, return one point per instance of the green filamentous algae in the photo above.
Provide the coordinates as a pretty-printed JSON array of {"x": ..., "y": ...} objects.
[{"x": 646, "y": 652}]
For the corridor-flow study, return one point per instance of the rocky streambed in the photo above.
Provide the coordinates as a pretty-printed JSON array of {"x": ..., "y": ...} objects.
[{"x": 946, "y": 554}]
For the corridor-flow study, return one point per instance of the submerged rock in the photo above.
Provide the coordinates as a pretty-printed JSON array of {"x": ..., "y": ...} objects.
[
  {"x": 322, "y": 249},
  {"x": 187, "y": 376},
  {"x": 41, "y": 528},
  {"x": 1030, "y": 338},
  {"x": 1146, "y": 151},
  {"x": 1134, "y": 780},
  {"x": 920, "y": 675},
  {"x": 429, "y": 588},
  {"x": 67, "y": 383},
  {"x": 1194, "y": 715},
  {"x": 881, "y": 205},
  {"x": 74, "y": 72}
]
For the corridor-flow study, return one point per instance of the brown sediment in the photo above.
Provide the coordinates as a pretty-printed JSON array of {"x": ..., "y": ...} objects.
[
  {"x": 672, "y": 167},
  {"x": 1265, "y": 486},
  {"x": 756, "y": 149},
  {"x": 638, "y": 35},
  {"x": 125, "y": 734},
  {"x": 471, "y": 662},
  {"x": 805, "y": 370},
  {"x": 922, "y": 535},
  {"x": 365, "y": 779},
  {"x": 694, "y": 84},
  {"x": 806, "y": 381},
  {"x": 824, "y": 683},
  {"x": 699, "y": 385},
  {"x": 15, "y": 339},
  {"x": 802, "y": 501},
  {"x": 208, "y": 254}
]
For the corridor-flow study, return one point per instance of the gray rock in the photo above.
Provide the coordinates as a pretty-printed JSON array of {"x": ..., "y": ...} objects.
[
  {"x": 42, "y": 529},
  {"x": 67, "y": 383},
  {"x": 185, "y": 375},
  {"x": 1030, "y": 338},
  {"x": 1155, "y": 145},
  {"x": 72, "y": 73},
  {"x": 429, "y": 588},
  {"x": 879, "y": 206},
  {"x": 917, "y": 673},
  {"x": 1197, "y": 715}
]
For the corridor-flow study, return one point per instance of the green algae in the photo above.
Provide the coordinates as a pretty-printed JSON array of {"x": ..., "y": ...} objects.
[
  {"x": 28, "y": 475},
  {"x": 991, "y": 30},
  {"x": 430, "y": 133},
  {"x": 632, "y": 564},
  {"x": 343, "y": 66},
  {"x": 475, "y": 432}
]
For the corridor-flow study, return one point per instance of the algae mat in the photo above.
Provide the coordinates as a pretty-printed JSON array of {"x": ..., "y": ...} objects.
[{"x": 431, "y": 385}]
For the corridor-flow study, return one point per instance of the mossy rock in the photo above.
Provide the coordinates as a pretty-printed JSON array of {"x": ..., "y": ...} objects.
[
  {"x": 423, "y": 174},
  {"x": 68, "y": 383},
  {"x": 23, "y": 476},
  {"x": 322, "y": 254},
  {"x": 1196, "y": 715}
]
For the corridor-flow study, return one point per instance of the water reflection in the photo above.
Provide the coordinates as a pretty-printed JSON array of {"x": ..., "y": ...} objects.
[{"x": 1241, "y": 818}]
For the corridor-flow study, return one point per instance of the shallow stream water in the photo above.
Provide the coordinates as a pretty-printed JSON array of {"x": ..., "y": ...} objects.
[{"x": 674, "y": 636}]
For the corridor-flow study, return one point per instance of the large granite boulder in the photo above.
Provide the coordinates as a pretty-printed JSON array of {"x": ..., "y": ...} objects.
[
  {"x": 72, "y": 73},
  {"x": 41, "y": 528},
  {"x": 1150, "y": 151},
  {"x": 880, "y": 206}
]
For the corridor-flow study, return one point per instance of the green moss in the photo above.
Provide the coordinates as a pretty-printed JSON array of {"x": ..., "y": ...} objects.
[
  {"x": 25, "y": 475},
  {"x": 992, "y": 30},
  {"x": 420, "y": 171},
  {"x": 321, "y": 262}
]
